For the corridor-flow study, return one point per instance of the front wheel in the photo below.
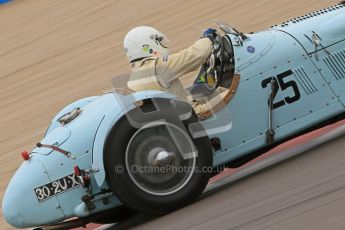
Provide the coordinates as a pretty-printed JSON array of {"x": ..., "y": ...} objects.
[{"x": 158, "y": 167}]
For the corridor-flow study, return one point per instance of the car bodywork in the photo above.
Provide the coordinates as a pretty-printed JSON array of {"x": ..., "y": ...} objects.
[{"x": 306, "y": 56}]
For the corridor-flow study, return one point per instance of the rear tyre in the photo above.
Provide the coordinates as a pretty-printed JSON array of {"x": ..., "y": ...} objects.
[{"x": 158, "y": 167}]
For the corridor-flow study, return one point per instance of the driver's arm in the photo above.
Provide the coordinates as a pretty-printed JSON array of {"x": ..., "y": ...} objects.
[{"x": 178, "y": 64}]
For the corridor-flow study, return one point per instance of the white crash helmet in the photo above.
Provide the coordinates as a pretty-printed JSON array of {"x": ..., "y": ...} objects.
[{"x": 145, "y": 41}]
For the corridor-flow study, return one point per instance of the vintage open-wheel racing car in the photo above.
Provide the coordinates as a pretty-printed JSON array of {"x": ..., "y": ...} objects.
[{"x": 149, "y": 152}]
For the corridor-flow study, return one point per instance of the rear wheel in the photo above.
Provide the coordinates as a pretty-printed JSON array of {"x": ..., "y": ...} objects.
[{"x": 158, "y": 167}]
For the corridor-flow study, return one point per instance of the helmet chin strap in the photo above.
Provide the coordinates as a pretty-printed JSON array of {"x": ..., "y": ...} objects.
[{"x": 138, "y": 59}]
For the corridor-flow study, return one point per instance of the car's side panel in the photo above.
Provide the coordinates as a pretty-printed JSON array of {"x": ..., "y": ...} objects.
[
  {"x": 303, "y": 97},
  {"x": 302, "y": 91},
  {"x": 331, "y": 64},
  {"x": 80, "y": 134},
  {"x": 222, "y": 157},
  {"x": 79, "y": 103}
]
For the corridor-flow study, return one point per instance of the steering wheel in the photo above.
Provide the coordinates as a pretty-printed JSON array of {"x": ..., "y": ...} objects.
[{"x": 214, "y": 65}]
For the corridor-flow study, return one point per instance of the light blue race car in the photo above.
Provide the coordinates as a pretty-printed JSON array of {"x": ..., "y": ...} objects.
[{"x": 106, "y": 157}]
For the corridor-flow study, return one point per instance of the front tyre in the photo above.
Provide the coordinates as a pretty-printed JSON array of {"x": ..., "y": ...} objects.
[{"x": 158, "y": 167}]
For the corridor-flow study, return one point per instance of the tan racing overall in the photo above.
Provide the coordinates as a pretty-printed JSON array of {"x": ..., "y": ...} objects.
[{"x": 163, "y": 73}]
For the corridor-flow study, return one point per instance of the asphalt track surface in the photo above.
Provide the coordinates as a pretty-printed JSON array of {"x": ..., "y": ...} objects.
[{"x": 54, "y": 52}]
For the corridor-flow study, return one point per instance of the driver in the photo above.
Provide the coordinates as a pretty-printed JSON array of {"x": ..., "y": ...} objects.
[{"x": 154, "y": 69}]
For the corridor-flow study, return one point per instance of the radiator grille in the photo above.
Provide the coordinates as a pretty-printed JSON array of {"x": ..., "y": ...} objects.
[
  {"x": 304, "y": 80},
  {"x": 336, "y": 63}
]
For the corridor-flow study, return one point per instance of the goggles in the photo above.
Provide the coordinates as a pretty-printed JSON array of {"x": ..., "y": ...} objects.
[{"x": 161, "y": 40}]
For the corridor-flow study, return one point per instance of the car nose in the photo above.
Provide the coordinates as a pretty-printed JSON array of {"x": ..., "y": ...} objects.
[{"x": 21, "y": 207}]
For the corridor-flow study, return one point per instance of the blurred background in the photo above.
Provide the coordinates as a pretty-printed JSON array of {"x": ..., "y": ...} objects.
[{"x": 53, "y": 52}]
